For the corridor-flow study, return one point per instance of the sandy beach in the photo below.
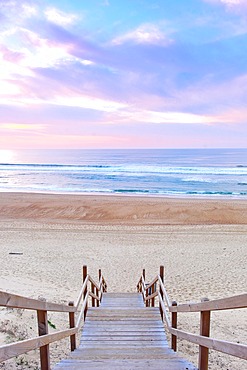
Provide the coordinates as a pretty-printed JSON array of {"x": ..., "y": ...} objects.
[{"x": 201, "y": 243}]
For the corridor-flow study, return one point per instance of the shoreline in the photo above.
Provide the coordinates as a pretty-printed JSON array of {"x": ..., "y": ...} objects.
[
  {"x": 129, "y": 194},
  {"x": 91, "y": 208}
]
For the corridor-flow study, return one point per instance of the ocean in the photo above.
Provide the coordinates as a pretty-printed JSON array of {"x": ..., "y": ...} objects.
[{"x": 163, "y": 172}]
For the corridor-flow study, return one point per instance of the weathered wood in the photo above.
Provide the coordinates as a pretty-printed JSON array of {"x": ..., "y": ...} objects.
[
  {"x": 174, "y": 325},
  {"x": 42, "y": 342},
  {"x": 152, "y": 282},
  {"x": 43, "y": 330},
  {"x": 233, "y": 349},
  {"x": 98, "y": 300},
  {"x": 126, "y": 364},
  {"x": 93, "y": 282},
  {"x": 123, "y": 353},
  {"x": 16, "y": 301},
  {"x": 100, "y": 286},
  {"x": 15, "y": 349},
  {"x": 94, "y": 298},
  {"x": 161, "y": 278},
  {"x": 123, "y": 337},
  {"x": 205, "y": 331},
  {"x": 239, "y": 301},
  {"x": 165, "y": 295},
  {"x": 72, "y": 325},
  {"x": 131, "y": 337},
  {"x": 82, "y": 312},
  {"x": 81, "y": 294},
  {"x": 154, "y": 294},
  {"x": 164, "y": 315},
  {"x": 92, "y": 295},
  {"x": 84, "y": 275},
  {"x": 151, "y": 297}
]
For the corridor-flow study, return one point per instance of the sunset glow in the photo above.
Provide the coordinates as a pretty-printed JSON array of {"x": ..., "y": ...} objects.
[{"x": 132, "y": 74}]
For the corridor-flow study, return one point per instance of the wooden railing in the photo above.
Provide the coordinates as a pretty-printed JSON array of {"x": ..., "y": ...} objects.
[
  {"x": 89, "y": 289},
  {"x": 157, "y": 289}
]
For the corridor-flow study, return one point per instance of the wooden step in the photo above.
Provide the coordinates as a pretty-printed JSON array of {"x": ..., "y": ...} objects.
[
  {"x": 123, "y": 334},
  {"x": 126, "y": 364}
]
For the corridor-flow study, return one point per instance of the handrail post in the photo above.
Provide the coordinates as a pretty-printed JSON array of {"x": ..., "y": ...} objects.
[
  {"x": 100, "y": 286},
  {"x": 44, "y": 350},
  {"x": 72, "y": 325},
  {"x": 162, "y": 271},
  {"x": 92, "y": 290},
  {"x": 205, "y": 331},
  {"x": 145, "y": 291},
  {"x": 84, "y": 274},
  {"x": 153, "y": 299},
  {"x": 146, "y": 294},
  {"x": 174, "y": 325},
  {"x": 97, "y": 293}
]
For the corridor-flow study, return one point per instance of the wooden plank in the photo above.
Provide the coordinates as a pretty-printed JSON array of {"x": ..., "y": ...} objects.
[
  {"x": 15, "y": 349},
  {"x": 234, "y": 349},
  {"x": 130, "y": 337},
  {"x": 152, "y": 282},
  {"x": 163, "y": 310},
  {"x": 16, "y": 301},
  {"x": 121, "y": 336},
  {"x": 205, "y": 331},
  {"x": 122, "y": 352},
  {"x": 133, "y": 344},
  {"x": 94, "y": 296},
  {"x": 140, "y": 322},
  {"x": 169, "y": 364},
  {"x": 84, "y": 285},
  {"x": 82, "y": 313},
  {"x": 239, "y": 301},
  {"x": 129, "y": 329},
  {"x": 43, "y": 330},
  {"x": 93, "y": 282},
  {"x": 163, "y": 291},
  {"x": 72, "y": 325}
]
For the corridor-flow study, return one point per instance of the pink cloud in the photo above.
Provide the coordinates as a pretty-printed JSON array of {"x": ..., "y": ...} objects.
[{"x": 10, "y": 55}]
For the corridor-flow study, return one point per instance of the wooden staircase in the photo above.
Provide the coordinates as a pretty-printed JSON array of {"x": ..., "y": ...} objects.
[
  {"x": 123, "y": 334},
  {"x": 124, "y": 330}
]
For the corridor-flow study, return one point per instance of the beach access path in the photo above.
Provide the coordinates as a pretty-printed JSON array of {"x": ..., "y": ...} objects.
[{"x": 123, "y": 334}]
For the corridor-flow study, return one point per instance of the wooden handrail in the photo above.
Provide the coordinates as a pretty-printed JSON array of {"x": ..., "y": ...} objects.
[
  {"x": 18, "y": 348},
  {"x": 84, "y": 285},
  {"x": 17, "y": 301},
  {"x": 152, "y": 282},
  {"x": 94, "y": 296},
  {"x": 150, "y": 296},
  {"x": 204, "y": 307},
  {"x": 14, "y": 301},
  {"x": 168, "y": 322},
  {"x": 235, "y": 302},
  {"x": 230, "y": 348},
  {"x": 81, "y": 316},
  {"x": 93, "y": 282},
  {"x": 165, "y": 293}
]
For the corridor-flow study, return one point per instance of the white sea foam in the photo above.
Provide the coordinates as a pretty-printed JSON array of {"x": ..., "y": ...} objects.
[{"x": 165, "y": 172}]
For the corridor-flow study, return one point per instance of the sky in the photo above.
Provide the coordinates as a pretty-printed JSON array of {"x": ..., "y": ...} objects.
[{"x": 123, "y": 74}]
